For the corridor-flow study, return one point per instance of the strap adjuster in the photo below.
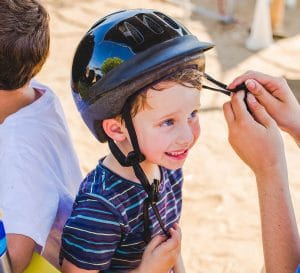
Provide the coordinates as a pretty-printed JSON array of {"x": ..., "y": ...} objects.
[
  {"x": 154, "y": 195},
  {"x": 133, "y": 158}
]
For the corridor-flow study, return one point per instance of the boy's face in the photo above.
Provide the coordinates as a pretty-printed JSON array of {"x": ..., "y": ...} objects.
[{"x": 168, "y": 126}]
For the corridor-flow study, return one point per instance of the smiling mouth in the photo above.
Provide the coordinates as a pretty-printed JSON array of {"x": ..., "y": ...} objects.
[{"x": 177, "y": 155}]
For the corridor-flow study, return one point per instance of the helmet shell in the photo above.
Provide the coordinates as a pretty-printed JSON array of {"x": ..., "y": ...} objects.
[{"x": 124, "y": 52}]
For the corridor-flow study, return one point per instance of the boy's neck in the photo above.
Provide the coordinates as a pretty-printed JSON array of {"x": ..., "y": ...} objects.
[
  {"x": 13, "y": 100},
  {"x": 151, "y": 170}
]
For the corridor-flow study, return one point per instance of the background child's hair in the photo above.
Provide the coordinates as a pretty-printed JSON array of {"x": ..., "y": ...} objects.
[{"x": 24, "y": 41}]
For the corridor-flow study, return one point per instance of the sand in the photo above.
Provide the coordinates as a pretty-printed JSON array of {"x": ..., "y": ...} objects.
[{"x": 220, "y": 220}]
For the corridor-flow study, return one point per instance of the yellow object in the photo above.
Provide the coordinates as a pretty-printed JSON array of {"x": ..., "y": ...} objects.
[{"x": 39, "y": 264}]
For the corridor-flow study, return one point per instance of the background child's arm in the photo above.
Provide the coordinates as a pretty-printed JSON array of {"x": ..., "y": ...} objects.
[{"x": 20, "y": 250}]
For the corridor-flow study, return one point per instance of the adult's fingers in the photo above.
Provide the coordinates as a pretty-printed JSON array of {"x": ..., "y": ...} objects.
[
  {"x": 259, "y": 112},
  {"x": 277, "y": 86},
  {"x": 262, "y": 95},
  {"x": 228, "y": 113},
  {"x": 258, "y": 76},
  {"x": 238, "y": 106}
]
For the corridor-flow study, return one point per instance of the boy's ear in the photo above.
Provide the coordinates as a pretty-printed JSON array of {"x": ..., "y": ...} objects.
[{"x": 114, "y": 129}]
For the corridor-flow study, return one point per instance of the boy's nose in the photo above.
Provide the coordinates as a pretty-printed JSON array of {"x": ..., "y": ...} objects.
[{"x": 185, "y": 135}]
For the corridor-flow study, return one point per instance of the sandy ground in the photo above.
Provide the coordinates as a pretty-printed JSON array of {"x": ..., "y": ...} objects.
[{"x": 220, "y": 221}]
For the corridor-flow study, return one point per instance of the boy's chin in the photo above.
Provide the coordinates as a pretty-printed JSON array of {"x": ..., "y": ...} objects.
[
  {"x": 168, "y": 164},
  {"x": 174, "y": 166}
]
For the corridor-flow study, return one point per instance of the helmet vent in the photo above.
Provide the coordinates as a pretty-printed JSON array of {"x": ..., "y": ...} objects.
[
  {"x": 152, "y": 25},
  {"x": 168, "y": 20},
  {"x": 129, "y": 31}
]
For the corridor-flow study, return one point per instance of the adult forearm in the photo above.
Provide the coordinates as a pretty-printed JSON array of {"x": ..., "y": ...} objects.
[{"x": 280, "y": 236}]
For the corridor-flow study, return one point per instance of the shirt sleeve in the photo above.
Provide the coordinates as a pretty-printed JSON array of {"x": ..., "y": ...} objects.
[{"x": 91, "y": 234}]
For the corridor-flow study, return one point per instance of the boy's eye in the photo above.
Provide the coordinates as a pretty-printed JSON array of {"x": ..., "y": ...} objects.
[{"x": 168, "y": 122}]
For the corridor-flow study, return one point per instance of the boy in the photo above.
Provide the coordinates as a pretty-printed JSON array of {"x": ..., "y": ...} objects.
[
  {"x": 39, "y": 171},
  {"x": 135, "y": 80},
  {"x": 257, "y": 141}
]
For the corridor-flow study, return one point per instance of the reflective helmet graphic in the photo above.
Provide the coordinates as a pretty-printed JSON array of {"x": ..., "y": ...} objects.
[{"x": 124, "y": 52}]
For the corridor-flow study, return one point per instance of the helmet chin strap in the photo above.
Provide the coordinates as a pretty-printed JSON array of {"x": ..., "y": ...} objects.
[{"x": 133, "y": 159}]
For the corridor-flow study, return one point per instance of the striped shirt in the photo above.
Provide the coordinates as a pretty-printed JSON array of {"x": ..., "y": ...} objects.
[{"x": 105, "y": 230}]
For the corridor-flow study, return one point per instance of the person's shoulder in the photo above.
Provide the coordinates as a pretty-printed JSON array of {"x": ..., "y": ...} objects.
[
  {"x": 48, "y": 95},
  {"x": 36, "y": 141},
  {"x": 40, "y": 86},
  {"x": 102, "y": 183},
  {"x": 96, "y": 183},
  {"x": 94, "y": 193},
  {"x": 44, "y": 119}
]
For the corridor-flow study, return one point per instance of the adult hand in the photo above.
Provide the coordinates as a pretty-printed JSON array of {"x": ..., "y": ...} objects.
[
  {"x": 255, "y": 138},
  {"x": 277, "y": 98}
]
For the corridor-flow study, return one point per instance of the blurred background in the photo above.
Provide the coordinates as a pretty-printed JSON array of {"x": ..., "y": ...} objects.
[{"x": 220, "y": 220}]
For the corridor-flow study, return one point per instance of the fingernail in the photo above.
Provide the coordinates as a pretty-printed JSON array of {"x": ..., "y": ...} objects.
[
  {"x": 250, "y": 84},
  {"x": 251, "y": 98}
]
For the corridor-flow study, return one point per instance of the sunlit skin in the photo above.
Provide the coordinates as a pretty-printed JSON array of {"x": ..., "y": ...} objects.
[{"x": 167, "y": 128}]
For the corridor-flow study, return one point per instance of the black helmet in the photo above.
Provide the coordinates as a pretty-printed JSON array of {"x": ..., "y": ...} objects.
[{"x": 124, "y": 52}]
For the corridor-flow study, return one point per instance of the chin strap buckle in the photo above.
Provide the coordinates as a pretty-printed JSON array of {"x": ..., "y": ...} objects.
[
  {"x": 133, "y": 158},
  {"x": 154, "y": 194}
]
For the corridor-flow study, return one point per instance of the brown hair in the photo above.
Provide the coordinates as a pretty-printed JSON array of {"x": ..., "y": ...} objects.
[
  {"x": 188, "y": 77},
  {"x": 24, "y": 41}
]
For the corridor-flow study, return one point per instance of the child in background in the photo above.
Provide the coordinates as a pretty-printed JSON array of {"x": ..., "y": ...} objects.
[
  {"x": 136, "y": 78},
  {"x": 39, "y": 170}
]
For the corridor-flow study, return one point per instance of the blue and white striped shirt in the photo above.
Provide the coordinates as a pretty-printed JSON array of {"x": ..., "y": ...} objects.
[{"x": 105, "y": 230}]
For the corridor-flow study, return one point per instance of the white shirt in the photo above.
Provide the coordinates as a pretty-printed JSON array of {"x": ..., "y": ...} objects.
[{"x": 39, "y": 172}]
